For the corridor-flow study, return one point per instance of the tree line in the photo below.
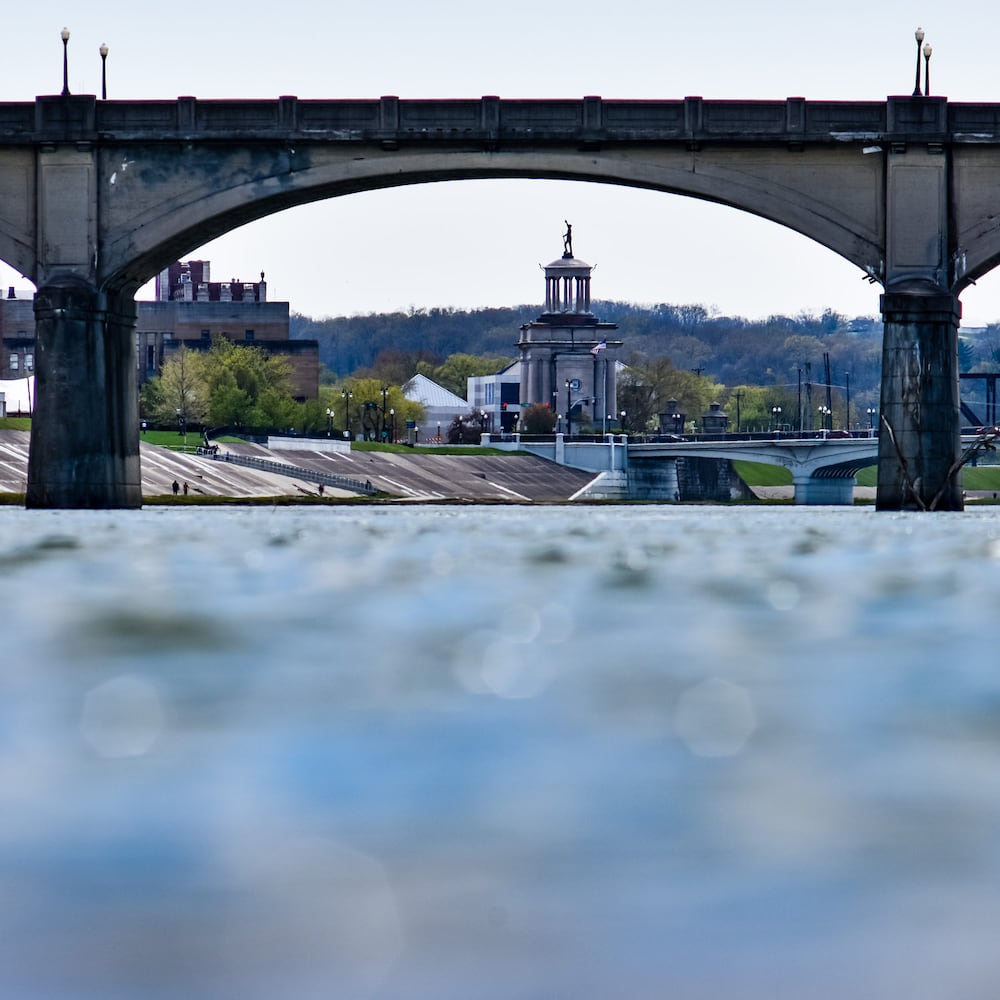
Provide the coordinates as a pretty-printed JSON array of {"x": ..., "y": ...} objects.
[
  {"x": 688, "y": 354},
  {"x": 769, "y": 373}
]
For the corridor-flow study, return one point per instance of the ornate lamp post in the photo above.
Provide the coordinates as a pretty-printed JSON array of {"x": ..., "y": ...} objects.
[
  {"x": 569, "y": 410},
  {"x": 329, "y": 421},
  {"x": 104, "y": 70},
  {"x": 919, "y": 36},
  {"x": 775, "y": 414},
  {"x": 677, "y": 418},
  {"x": 927, "y": 69},
  {"x": 392, "y": 424},
  {"x": 826, "y": 417},
  {"x": 64, "y": 35},
  {"x": 347, "y": 397},
  {"x": 622, "y": 423},
  {"x": 871, "y": 411}
]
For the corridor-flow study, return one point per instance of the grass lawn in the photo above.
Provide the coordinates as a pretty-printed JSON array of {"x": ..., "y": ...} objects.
[{"x": 15, "y": 423}]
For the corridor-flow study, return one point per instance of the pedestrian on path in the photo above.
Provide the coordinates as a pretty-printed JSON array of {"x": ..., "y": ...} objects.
[{"x": 175, "y": 488}]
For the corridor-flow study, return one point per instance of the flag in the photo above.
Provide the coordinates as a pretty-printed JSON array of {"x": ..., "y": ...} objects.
[{"x": 597, "y": 348}]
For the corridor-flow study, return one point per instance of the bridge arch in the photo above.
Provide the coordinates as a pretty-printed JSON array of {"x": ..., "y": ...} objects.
[{"x": 200, "y": 201}]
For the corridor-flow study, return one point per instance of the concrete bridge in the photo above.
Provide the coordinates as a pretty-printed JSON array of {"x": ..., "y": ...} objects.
[
  {"x": 97, "y": 196},
  {"x": 823, "y": 469}
]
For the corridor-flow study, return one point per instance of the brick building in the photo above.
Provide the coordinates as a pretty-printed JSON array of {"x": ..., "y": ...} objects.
[{"x": 189, "y": 309}]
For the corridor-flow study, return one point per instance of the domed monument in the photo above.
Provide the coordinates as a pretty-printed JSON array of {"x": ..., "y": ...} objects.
[{"x": 567, "y": 360}]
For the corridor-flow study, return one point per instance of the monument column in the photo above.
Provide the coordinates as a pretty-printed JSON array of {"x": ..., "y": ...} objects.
[
  {"x": 919, "y": 439},
  {"x": 85, "y": 425}
]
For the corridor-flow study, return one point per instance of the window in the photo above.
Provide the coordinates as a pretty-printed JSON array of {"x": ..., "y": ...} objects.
[
  {"x": 13, "y": 362},
  {"x": 29, "y": 362}
]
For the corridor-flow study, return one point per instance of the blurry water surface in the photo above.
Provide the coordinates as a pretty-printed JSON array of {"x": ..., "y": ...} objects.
[{"x": 499, "y": 752}]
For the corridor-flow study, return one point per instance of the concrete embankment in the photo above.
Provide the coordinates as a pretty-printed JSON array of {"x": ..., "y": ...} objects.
[{"x": 416, "y": 475}]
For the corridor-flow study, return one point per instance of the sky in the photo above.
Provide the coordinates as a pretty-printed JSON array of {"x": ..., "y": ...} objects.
[{"x": 480, "y": 243}]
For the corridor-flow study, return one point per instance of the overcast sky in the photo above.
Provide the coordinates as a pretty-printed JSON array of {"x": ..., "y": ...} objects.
[{"x": 478, "y": 243}]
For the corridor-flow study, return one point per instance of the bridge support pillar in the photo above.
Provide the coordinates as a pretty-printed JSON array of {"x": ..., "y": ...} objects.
[
  {"x": 653, "y": 479},
  {"x": 85, "y": 426},
  {"x": 824, "y": 492},
  {"x": 919, "y": 437}
]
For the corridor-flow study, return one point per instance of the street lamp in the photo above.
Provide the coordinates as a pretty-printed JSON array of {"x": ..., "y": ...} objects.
[
  {"x": 104, "y": 70},
  {"x": 329, "y": 422},
  {"x": 622, "y": 422},
  {"x": 64, "y": 35},
  {"x": 569, "y": 410},
  {"x": 927, "y": 69},
  {"x": 826, "y": 415},
  {"x": 919, "y": 36},
  {"x": 775, "y": 414},
  {"x": 871, "y": 411},
  {"x": 392, "y": 423},
  {"x": 347, "y": 397},
  {"x": 677, "y": 418},
  {"x": 385, "y": 392}
]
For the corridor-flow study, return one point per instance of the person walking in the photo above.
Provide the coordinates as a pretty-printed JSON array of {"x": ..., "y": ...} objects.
[{"x": 175, "y": 488}]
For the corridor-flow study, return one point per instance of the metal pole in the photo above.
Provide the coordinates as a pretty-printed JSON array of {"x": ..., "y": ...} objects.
[{"x": 64, "y": 34}]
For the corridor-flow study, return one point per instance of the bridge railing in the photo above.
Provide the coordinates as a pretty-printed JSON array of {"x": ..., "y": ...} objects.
[
  {"x": 589, "y": 119},
  {"x": 293, "y": 471}
]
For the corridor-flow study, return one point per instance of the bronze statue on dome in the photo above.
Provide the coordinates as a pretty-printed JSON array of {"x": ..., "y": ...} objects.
[{"x": 568, "y": 240}]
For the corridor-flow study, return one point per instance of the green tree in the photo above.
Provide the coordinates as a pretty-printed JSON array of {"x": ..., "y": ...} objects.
[
  {"x": 179, "y": 393},
  {"x": 246, "y": 386},
  {"x": 646, "y": 387},
  {"x": 371, "y": 412},
  {"x": 538, "y": 419}
]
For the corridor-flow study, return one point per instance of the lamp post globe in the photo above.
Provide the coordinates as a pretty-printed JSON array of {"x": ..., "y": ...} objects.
[{"x": 919, "y": 36}]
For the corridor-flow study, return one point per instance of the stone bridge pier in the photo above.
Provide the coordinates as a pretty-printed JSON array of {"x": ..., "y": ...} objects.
[
  {"x": 823, "y": 492},
  {"x": 85, "y": 431},
  {"x": 919, "y": 440}
]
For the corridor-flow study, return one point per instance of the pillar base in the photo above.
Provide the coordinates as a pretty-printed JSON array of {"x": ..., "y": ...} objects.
[
  {"x": 824, "y": 492},
  {"x": 919, "y": 437},
  {"x": 85, "y": 425}
]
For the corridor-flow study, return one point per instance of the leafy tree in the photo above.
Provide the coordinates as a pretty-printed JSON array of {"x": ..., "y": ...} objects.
[
  {"x": 179, "y": 393},
  {"x": 646, "y": 387},
  {"x": 371, "y": 413},
  {"x": 538, "y": 419},
  {"x": 465, "y": 429},
  {"x": 246, "y": 386}
]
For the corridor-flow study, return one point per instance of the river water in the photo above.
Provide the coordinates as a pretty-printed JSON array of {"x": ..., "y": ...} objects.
[{"x": 492, "y": 753}]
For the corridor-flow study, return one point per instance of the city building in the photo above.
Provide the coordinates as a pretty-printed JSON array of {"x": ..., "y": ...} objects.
[
  {"x": 440, "y": 407},
  {"x": 190, "y": 310},
  {"x": 568, "y": 359},
  {"x": 17, "y": 335},
  {"x": 496, "y": 398}
]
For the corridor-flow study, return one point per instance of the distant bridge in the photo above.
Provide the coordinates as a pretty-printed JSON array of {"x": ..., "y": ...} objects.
[{"x": 823, "y": 469}]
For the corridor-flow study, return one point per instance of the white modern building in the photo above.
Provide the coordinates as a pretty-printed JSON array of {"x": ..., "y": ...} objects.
[{"x": 441, "y": 406}]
